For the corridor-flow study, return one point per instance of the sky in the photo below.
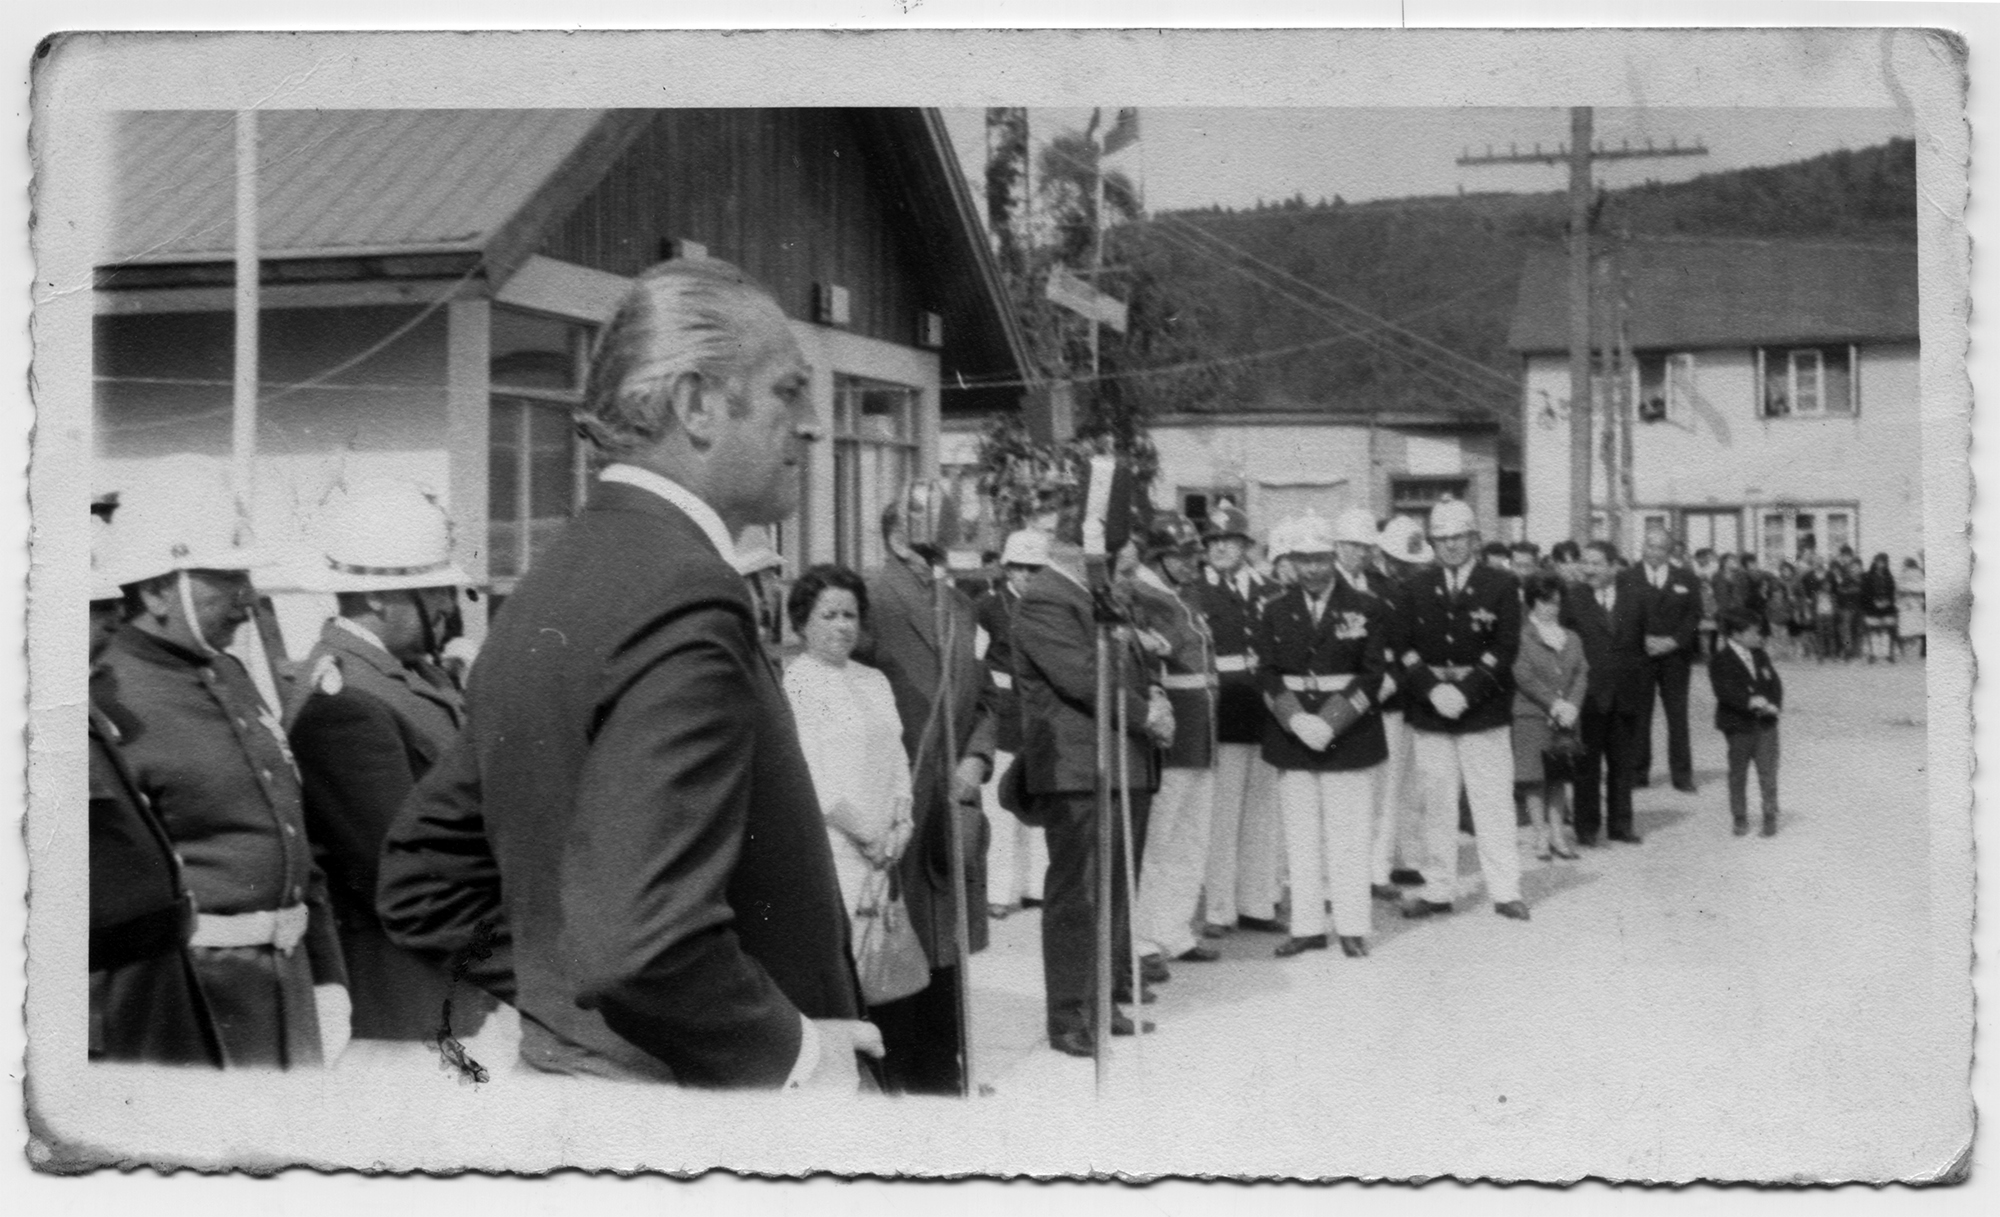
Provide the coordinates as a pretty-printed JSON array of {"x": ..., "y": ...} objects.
[{"x": 1232, "y": 157}]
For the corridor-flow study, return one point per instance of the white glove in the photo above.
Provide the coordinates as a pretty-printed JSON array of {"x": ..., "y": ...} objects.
[
  {"x": 1561, "y": 713},
  {"x": 336, "y": 1025},
  {"x": 1160, "y": 719},
  {"x": 1311, "y": 729},
  {"x": 1447, "y": 700}
]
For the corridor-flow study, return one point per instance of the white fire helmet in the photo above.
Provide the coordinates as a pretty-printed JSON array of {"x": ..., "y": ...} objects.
[
  {"x": 1310, "y": 533},
  {"x": 1403, "y": 539},
  {"x": 1356, "y": 526},
  {"x": 102, "y": 586},
  {"x": 1026, "y": 547},
  {"x": 1452, "y": 518},
  {"x": 381, "y": 536},
  {"x": 182, "y": 524}
]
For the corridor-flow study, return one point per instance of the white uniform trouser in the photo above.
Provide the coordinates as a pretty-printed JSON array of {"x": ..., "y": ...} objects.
[
  {"x": 1326, "y": 841},
  {"x": 1397, "y": 832},
  {"x": 1482, "y": 762},
  {"x": 1246, "y": 854},
  {"x": 1017, "y": 856},
  {"x": 1176, "y": 861}
]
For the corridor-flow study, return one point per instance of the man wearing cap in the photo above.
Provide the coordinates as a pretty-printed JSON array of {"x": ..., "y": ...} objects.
[
  {"x": 375, "y": 713},
  {"x": 1462, "y": 628},
  {"x": 146, "y": 1003},
  {"x": 1356, "y": 553},
  {"x": 212, "y": 759},
  {"x": 1016, "y": 856},
  {"x": 1175, "y": 859},
  {"x": 1246, "y": 838},
  {"x": 1401, "y": 554},
  {"x": 1321, "y": 665}
]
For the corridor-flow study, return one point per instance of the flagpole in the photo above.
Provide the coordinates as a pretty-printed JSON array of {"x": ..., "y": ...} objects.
[{"x": 1096, "y": 249}]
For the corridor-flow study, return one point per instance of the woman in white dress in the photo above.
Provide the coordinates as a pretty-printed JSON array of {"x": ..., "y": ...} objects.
[{"x": 852, "y": 736}]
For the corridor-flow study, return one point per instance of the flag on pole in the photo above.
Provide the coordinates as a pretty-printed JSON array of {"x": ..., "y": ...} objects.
[
  {"x": 1084, "y": 300},
  {"x": 1124, "y": 131}
]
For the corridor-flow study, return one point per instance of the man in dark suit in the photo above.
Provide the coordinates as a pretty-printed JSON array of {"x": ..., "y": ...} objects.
[
  {"x": 1609, "y": 615},
  {"x": 1672, "y": 596},
  {"x": 1055, "y": 676},
  {"x": 373, "y": 715},
  {"x": 656, "y": 887},
  {"x": 921, "y": 1031}
]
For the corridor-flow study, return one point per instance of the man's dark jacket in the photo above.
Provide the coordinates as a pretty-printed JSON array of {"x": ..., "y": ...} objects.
[
  {"x": 630, "y": 794},
  {"x": 1468, "y": 639},
  {"x": 1613, "y": 646}
]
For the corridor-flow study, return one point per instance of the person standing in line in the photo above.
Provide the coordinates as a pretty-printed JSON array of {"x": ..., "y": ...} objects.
[
  {"x": 1525, "y": 560},
  {"x": 1672, "y": 599},
  {"x": 211, "y": 758},
  {"x": 1018, "y": 856},
  {"x": 146, "y": 1004},
  {"x": 1322, "y": 669},
  {"x": 1749, "y": 696},
  {"x": 1246, "y": 840},
  {"x": 1177, "y": 838},
  {"x": 1550, "y": 676},
  {"x": 1055, "y": 670},
  {"x": 1878, "y": 605},
  {"x": 625, "y": 841},
  {"x": 1567, "y": 558},
  {"x": 1609, "y": 617},
  {"x": 1398, "y": 835},
  {"x": 1910, "y": 624},
  {"x": 921, "y": 1031},
  {"x": 1845, "y": 579},
  {"x": 371, "y": 717},
  {"x": 1462, "y": 631},
  {"x": 1705, "y": 568}
]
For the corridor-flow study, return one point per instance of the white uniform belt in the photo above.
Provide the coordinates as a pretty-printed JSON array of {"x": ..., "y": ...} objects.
[
  {"x": 280, "y": 928},
  {"x": 1003, "y": 681},
  {"x": 1451, "y": 673},
  {"x": 1319, "y": 684},
  {"x": 1232, "y": 663},
  {"x": 1187, "y": 680}
]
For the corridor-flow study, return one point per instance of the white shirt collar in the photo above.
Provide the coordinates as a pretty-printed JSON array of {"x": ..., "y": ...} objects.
[
  {"x": 363, "y": 633},
  {"x": 680, "y": 496},
  {"x": 1743, "y": 653}
]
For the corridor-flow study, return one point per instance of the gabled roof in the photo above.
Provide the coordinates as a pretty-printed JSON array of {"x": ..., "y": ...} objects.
[{"x": 1691, "y": 294}]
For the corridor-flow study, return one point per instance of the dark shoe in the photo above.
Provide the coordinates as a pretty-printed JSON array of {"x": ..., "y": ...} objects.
[
  {"x": 1587, "y": 840},
  {"x": 1352, "y": 947},
  {"x": 1153, "y": 970},
  {"x": 1265, "y": 925},
  {"x": 1685, "y": 787},
  {"x": 1299, "y": 946},
  {"x": 1403, "y": 876},
  {"x": 1031, "y": 902},
  {"x": 1121, "y": 1025},
  {"x": 1642, "y": 781},
  {"x": 1146, "y": 996},
  {"x": 1199, "y": 954},
  {"x": 1426, "y": 908},
  {"x": 1074, "y": 1043},
  {"x": 1385, "y": 891},
  {"x": 1628, "y": 838},
  {"x": 1215, "y": 931},
  {"x": 1741, "y": 828},
  {"x": 1770, "y": 828},
  {"x": 1514, "y": 909}
]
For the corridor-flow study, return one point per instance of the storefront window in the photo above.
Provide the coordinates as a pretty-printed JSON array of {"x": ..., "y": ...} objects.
[
  {"x": 536, "y": 468},
  {"x": 874, "y": 457}
]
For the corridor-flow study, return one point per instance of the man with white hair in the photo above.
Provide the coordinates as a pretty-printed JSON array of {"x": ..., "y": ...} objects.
[
  {"x": 1462, "y": 630},
  {"x": 1321, "y": 665}
]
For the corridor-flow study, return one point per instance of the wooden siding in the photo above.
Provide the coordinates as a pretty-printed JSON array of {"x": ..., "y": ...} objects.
[{"x": 789, "y": 195}]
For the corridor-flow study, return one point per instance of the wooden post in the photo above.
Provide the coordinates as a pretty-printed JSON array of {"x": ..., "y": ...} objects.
[
  {"x": 1579, "y": 323},
  {"x": 243, "y": 402}
]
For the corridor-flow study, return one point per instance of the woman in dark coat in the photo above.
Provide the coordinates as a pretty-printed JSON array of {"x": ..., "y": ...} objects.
[{"x": 1878, "y": 608}]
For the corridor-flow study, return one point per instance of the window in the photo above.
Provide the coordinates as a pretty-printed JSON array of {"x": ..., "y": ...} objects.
[
  {"x": 1197, "y": 501},
  {"x": 1806, "y": 382},
  {"x": 1717, "y": 529},
  {"x": 1666, "y": 386},
  {"x": 1784, "y": 533},
  {"x": 1416, "y": 496},
  {"x": 874, "y": 457},
  {"x": 536, "y": 466}
]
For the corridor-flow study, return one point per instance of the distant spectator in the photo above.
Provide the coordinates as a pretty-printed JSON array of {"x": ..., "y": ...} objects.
[
  {"x": 1780, "y": 627},
  {"x": 1567, "y": 558},
  {"x": 1497, "y": 555},
  {"x": 1704, "y": 570},
  {"x": 1878, "y": 608},
  {"x": 1526, "y": 558},
  {"x": 1910, "y": 606}
]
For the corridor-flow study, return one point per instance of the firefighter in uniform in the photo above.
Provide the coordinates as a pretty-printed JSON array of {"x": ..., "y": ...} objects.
[
  {"x": 1177, "y": 842},
  {"x": 375, "y": 713},
  {"x": 1402, "y": 554},
  {"x": 1017, "y": 855},
  {"x": 1462, "y": 629},
  {"x": 212, "y": 758},
  {"x": 145, "y": 1002},
  {"x": 1246, "y": 842},
  {"x": 1321, "y": 667}
]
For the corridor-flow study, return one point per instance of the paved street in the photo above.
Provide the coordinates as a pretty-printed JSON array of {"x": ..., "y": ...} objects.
[{"x": 1699, "y": 1005}]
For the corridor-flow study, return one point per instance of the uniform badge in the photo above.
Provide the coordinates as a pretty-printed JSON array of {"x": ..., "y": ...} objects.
[
  {"x": 1352, "y": 625},
  {"x": 1483, "y": 618}
]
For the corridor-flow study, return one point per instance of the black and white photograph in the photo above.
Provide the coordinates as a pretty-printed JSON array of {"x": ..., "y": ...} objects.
[{"x": 1263, "y": 605}]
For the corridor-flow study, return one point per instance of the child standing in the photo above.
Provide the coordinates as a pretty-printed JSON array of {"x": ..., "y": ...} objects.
[{"x": 1748, "y": 699}]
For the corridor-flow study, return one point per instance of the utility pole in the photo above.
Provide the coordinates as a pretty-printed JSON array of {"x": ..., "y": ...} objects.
[{"x": 1580, "y": 153}]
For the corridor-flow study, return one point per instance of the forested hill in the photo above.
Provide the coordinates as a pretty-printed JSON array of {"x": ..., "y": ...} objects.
[{"x": 1445, "y": 268}]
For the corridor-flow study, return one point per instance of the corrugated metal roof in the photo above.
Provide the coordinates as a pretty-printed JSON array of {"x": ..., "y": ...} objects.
[
  {"x": 1692, "y": 294},
  {"x": 332, "y": 182}
]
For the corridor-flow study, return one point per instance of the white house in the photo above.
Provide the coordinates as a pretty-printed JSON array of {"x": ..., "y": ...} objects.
[{"x": 1776, "y": 395}]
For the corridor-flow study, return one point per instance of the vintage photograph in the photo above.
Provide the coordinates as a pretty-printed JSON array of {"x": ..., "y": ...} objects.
[{"x": 1332, "y": 622}]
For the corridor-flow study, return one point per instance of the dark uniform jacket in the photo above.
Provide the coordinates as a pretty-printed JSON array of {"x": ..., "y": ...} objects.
[
  {"x": 1187, "y": 671},
  {"x": 903, "y": 643},
  {"x": 994, "y": 610},
  {"x": 1614, "y": 646},
  {"x": 1386, "y": 590},
  {"x": 369, "y": 728},
  {"x": 1055, "y": 674},
  {"x": 145, "y": 1001},
  {"x": 630, "y": 805},
  {"x": 1232, "y": 621},
  {"x": 212, "y": 759},
  {"x": 1346, "y": 640},
  {"x": 1671, "y": 611},
  {"x": 1469, "y": 639},
  {"x": 1735, "y": 685}
]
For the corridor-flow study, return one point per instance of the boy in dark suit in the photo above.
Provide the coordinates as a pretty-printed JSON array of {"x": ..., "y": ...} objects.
[{"x": 1748, "y": 699}]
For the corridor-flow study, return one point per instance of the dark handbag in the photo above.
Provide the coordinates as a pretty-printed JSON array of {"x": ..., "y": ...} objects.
[
  {"x": 1012, "y": 794},
  {"x": 888, "y": 957},
  {"x": 1563, "y": 751}
]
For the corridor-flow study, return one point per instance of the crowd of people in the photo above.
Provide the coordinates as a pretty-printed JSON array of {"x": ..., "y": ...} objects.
[{"x": 683, "y": 860}]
